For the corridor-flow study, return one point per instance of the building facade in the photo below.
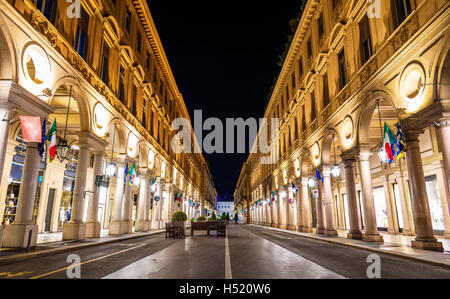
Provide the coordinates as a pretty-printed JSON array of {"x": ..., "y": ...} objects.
[
  {"x": 101, "y": 73},
  {"x": 352, "y": 69},
  {"x": 224, "y": 207}
]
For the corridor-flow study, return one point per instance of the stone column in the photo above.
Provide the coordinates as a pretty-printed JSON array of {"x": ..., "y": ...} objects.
[
  {"x": 116, "y": 222},
  {"x": 330, "y": 229},
  {"x": 421, "y": 210},
  {"x": 355, "y": 232},
  {"x": 93, "y": 226},
  {"x": 16, "y": 235},
  {"x": 76, "y": 229},
  {"x": 141, "y": 204},
  {"x": 306, "y": 207},
  {"x": 371, "y": 229},
  {"x": 147, "y": 214},
  {"x": 319, "y": 209},
  {"x": 393, "y": 226},
  {"x": 125, "y": 226}
]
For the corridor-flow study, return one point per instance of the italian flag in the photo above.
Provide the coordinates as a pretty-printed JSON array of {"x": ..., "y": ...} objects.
[
  {"x": 51, "y": 137},
  {"x": 389, "y": 141}
]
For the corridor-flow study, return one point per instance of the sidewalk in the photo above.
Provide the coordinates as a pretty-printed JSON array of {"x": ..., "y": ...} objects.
[
  {"x": 47, "y": 246},
  {"x": 397, "y": 245}
]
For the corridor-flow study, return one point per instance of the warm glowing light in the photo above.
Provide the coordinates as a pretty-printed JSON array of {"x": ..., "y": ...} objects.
[
  {"x": 311, "y": 183},
  {"x": 37, "y": 69},
  {"x": 110, "y": 170},
  {"x": 132, "y": 145},
  {"x": 336, "y": 171},
  {"x": 100, "y": 118}
]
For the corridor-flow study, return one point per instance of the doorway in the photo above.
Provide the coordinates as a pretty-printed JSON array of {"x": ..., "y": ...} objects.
[{"x": 49, "y": 211}]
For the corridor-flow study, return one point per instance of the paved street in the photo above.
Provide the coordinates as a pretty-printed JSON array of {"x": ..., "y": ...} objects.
[{"x": 247, "y": 253}]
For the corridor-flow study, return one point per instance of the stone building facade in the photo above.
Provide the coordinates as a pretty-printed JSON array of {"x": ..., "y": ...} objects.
[{"x": 101, "y": 73}]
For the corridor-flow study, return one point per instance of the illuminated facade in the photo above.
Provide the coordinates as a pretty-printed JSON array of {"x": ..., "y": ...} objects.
[
  {"x": 104, "y": 73},
  {"x": 347, "y": 73}
]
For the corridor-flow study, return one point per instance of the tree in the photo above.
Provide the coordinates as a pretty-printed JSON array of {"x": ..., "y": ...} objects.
[
  {"x": 214, "y": 217},
  {"x": 227, "y": 216}
]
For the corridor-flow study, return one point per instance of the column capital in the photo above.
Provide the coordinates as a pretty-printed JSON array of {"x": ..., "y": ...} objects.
[
  {"x": 412, "y": 135},
  {"x": 91, "y": 141}
]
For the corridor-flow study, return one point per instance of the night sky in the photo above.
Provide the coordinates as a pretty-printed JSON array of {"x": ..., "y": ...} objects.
[{"x": 224, "y": 58}]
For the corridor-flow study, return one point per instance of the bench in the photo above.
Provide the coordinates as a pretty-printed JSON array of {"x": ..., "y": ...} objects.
[
  {"x": 172, "y": 231},
  {"x": 219, "y": 226}
]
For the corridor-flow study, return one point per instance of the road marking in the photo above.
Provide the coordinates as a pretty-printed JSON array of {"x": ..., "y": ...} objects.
[
  {"x": 10, "y": 274},
  {"x": 227, "y": 258},
  {"x": 89, "y": 261}
]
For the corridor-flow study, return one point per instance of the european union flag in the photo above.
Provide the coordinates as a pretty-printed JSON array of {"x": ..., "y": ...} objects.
[{"x": 319, "y": 177}]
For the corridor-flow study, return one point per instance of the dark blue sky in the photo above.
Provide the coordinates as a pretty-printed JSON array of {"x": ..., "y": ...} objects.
[{"x": 223, "y": 55}]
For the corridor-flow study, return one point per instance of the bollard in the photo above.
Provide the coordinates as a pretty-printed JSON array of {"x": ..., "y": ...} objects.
[{"x": 30, "y": 234}]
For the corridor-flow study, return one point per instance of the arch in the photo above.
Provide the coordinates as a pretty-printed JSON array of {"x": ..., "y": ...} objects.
[
  {"x": 120, "y": 142},
  {"x": 443, "y": 76},
  {"x": 366, "y": 114},
  {"x": 8, "y": 53},
  {"x": 81, "y": 98},
  {"x": 336, "y": 32},
  {"x": 327, "y": 146},
  {"x": 143, "y": 154},
  {"x": 306, "y": 163}
]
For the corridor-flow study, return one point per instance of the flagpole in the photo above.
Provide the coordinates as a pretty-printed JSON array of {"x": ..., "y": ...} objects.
[{"x": 381, "y": 129}]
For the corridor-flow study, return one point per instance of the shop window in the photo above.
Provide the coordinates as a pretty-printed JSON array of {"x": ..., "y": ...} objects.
[
  {"x": 398, "y": 206},
  {"x": 380, "y": 208},
  {"x": 365, "y": 39},
  {"x": 346, "y": 211},
  {"x": 434, "y": 200},
  {"x": 401, "y": 10}
]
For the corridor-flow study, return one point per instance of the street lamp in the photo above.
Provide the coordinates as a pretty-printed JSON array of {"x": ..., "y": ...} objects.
[
  {"x": 111, "y": 170},
  {"x": 336, "y": 170},
  {"x": 62, "y": 149},
  {"x": 137, "y": 181},
  {"x": 311, "y": 183}
]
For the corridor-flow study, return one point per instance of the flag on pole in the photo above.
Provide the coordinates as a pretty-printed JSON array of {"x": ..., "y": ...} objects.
[
  {"x": 389, "y": 142},
  {"x": 51, "y": 137},
  {"x": 294, "y": 187},
  {"x": 44, "y": 138},
  {"x": 30, "y": 126},
  {"x": 400, "y": 142},
  {"x": 132, "y": 174}
]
